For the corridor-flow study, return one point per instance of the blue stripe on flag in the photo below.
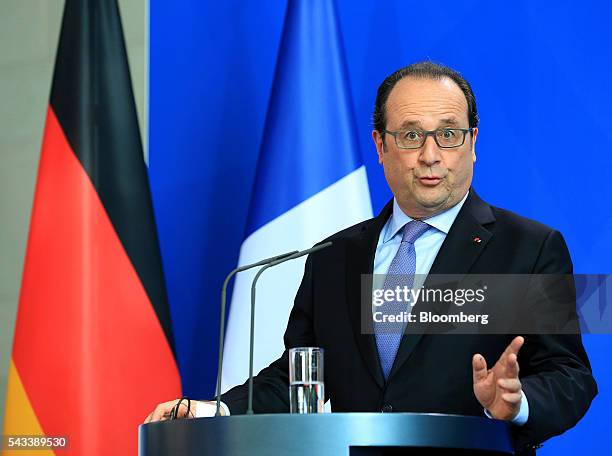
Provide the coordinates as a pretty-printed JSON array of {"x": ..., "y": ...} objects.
[{"x": 309, "y": 139}]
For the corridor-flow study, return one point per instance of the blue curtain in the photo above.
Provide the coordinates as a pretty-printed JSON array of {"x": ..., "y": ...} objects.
[{"x": 541, "y": 74}]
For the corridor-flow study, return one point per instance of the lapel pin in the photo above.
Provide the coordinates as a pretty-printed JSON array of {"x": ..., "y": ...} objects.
[{"x": 477, "y": 240}]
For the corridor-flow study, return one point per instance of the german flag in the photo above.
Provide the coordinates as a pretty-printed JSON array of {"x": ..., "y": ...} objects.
[{"x": 93, "y": 349}]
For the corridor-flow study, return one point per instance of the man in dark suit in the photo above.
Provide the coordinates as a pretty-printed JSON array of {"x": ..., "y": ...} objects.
[{"x": 426, "y": 125}]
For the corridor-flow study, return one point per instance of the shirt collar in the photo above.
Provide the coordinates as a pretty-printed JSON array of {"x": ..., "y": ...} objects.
[{"x": 442, "y": 221}]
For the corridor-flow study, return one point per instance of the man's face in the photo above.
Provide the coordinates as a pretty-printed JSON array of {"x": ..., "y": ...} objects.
[{"x": 428, "y": 180}]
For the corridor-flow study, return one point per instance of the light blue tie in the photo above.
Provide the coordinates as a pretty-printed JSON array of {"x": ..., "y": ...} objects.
[{"x": 400, "y": 274}]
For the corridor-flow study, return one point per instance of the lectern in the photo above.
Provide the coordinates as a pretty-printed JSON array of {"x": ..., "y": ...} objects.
[{"x": 327, "y": 434}]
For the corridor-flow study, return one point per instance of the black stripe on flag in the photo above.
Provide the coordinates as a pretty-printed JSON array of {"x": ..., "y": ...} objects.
[{"x": 93, "y": 100}]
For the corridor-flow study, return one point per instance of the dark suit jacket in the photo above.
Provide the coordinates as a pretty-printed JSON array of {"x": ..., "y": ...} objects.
[{"x": 432, "y": 373}]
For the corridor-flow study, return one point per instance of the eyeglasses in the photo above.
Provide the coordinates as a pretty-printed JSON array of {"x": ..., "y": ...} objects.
[{"x": 446, "y": 138}]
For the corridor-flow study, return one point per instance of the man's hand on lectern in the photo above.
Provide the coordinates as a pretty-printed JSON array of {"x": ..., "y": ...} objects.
[
  {"x": 499, "y": 389},
  {"x": 162, "y": 411}
]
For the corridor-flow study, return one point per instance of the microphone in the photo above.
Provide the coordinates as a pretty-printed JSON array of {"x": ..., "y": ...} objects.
[
  {"x": 222, "y": 322},
  {"x": 293, "y": 256}
]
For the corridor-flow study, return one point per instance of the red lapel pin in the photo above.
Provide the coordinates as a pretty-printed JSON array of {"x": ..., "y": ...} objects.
[{"x": 477, "y": 240}]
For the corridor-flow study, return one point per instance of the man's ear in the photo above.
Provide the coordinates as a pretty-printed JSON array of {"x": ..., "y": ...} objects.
[
  {"x": 474, "y": 135},
  {"x": 380, "y": 145}
]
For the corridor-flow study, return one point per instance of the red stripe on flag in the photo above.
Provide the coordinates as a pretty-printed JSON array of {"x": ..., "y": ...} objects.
[{"x": 91, "y": 353}]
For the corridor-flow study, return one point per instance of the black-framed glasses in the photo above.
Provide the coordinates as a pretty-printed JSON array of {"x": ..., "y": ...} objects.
[{"x": 445, "y": 138}]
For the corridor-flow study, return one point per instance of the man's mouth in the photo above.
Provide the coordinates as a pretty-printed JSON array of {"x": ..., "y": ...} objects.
[{"x": 430, "y": 181}]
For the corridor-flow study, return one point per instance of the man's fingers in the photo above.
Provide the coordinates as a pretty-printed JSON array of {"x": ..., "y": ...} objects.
[
  {"x": 182, "y": 410},
  {"x": 158, "y": 413},
  {"x": 479, "y": 368},
  {"x": 512, "y": 366},
  {"x": 514, "y": 346},
  {"x": 512, "y": 398},
  {"x": 511, "y": 385},
  {"x": 162, "y": 411}
]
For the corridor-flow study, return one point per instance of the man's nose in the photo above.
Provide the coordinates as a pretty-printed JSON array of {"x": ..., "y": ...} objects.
[{"x": 430, "y": 152}]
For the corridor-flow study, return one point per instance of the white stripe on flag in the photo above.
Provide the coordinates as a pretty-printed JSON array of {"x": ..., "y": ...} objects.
[{"x": 342, "y": 204}]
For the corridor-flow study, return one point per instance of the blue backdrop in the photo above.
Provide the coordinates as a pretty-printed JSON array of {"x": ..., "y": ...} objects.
[{"x": 540, "y": 71}]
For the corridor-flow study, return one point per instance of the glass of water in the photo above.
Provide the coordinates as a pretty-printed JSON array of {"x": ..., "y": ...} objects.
[{"x": 306, "y": 388}]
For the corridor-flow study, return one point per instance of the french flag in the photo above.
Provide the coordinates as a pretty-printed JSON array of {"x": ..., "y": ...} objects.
[{"x": 310, "y": 180}]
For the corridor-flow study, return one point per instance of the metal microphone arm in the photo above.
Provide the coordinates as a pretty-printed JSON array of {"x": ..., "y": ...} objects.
[
  {"x": 253, "y": 286},
  {"x": 222, "y": 322}
]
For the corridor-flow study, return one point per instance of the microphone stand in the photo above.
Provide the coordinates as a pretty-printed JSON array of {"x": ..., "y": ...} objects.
[
  {"x": 222, "y": 319},
  {"x": 253, "y": 286}
]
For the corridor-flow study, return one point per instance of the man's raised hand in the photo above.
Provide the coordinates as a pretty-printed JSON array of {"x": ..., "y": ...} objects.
[{"x": 499, "y": 389}]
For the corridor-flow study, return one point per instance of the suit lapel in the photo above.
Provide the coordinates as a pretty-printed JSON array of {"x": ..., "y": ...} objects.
[
  {"x": 464, "y": 242},
  {"x": 360, "y": 260},
  {"x": 466, "y": 238}
]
